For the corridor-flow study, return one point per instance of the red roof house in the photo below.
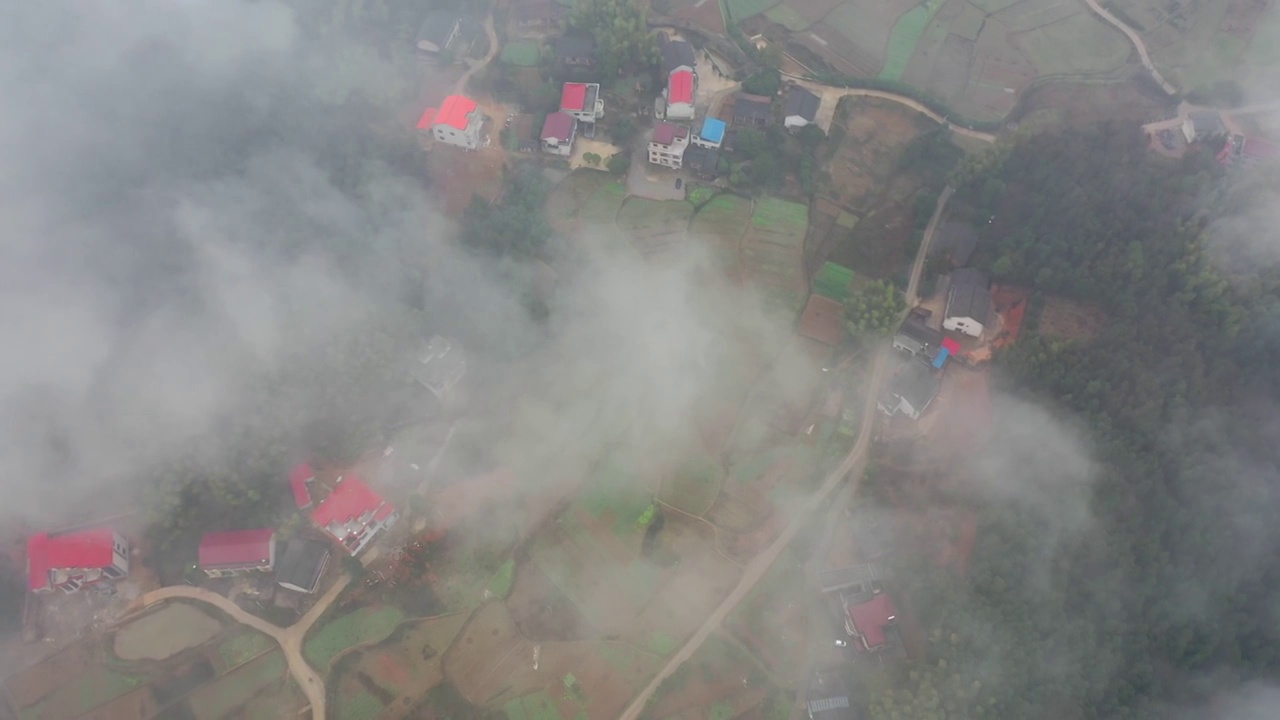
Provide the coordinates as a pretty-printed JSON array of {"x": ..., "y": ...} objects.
[
  {"x": 71, "y": 560},
  {"x": 223, "y": 554},
  {"x": 300, "y": 479},
  {"x": 354, "y": 514},
  {"x": 868, "y": 620},
  {"x": 573, "y": 96},
  {"x": 455, "y": 122}
]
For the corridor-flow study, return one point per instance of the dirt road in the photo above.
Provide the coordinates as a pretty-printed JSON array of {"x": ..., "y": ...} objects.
[
  {"x": 461, "y": 86},
  {"x": 290, "y": 638},
  {"x": 831, "y": 95},
  {"x": 1137, "y": 43},
  {"x": 917, "y": 267}
]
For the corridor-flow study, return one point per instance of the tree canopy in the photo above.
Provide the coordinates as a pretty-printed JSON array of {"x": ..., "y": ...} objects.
[
  {"x": 621, "y": 32},
  {"x": 875, "y": 307}
]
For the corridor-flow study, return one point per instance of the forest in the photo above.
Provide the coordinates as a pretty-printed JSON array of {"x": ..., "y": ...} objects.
[{"x": 1168, "y": 599}]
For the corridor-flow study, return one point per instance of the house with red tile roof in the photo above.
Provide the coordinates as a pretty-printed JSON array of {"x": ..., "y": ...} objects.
[
  {"x": 71, "y": 560},
  {"x": 582, "y": 101},
  {"x": 667, "y": 145},
  {"x": 456, "y": 122},
  {"x": 300, "y": 479},
  {"x": 354, "y": 514},
  {"x": 236, "y": 552},
  {"x": 557, "y": 134},
  {"x": 869, "y": 620}
]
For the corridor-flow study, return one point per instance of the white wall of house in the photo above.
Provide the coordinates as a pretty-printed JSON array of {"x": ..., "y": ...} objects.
[
  {"x": 555, "y": 147},
  {"x": 666, "y": 155},
  {"x": 680, "y": 111},
  {"x": 966, "y": 325},
  {"x": 469, "y": 138},
  {"x": 794, "y": 121}
]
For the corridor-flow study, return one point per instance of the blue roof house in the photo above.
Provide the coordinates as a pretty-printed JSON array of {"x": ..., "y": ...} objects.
[{"x": 711, "y": 134}]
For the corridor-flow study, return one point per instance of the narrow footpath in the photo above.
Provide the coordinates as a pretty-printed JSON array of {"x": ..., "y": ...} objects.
[{"x": 1137, "y": 43}]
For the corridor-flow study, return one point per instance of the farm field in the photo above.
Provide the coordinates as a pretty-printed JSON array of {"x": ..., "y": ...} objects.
[
  {"x": 1077, "y": 45},
  {"x": 720, "y": 681},
  {"x": 521, "y": 53},
  {"x": 720, "y": 223},
  {"x": 772, "y": 252},
  {"x": 743, "y": 9},
  {"x": 365, "y": 625}
]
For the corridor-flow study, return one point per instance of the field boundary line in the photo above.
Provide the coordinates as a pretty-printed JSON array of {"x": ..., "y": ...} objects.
[{"x": 715, "y": 531}]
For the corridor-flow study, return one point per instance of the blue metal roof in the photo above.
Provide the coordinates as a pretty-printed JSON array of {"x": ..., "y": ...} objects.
[
  {"x": 712, "y": 130},
  {"x": 941, "y": 358}
]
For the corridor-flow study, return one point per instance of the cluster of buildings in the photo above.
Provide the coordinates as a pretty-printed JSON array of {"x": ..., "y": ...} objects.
[
  {"x": 674, "y": 143},
  {"x": 967, "y": 312},
  {"x": 580, "y": 103},
  {"x": 349, "y": 515}
]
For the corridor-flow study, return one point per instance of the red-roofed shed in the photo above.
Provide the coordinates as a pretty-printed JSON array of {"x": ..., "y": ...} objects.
[
  {"x": 300, "y": 477},
  {"x": 573, "y": 96},
  {"x": 950, "y": 345},
  {"x": 454, "y": 111},
  {"x": 680, "y": 87},
  {"x": 869, "y": 620},
  {"x": 234, "y": 552},
  {"x": 428, "y": 118}
]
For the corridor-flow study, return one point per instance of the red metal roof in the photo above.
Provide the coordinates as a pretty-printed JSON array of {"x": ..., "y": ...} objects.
[
  {"x": 428, "y": 119},
  {"x": 351, "y": 499},
  {"x": 454, "y": 111},
  {"x": 299, "y": 476},
  {"x": 574, "y": 96},
  {"x": 950, "y": 346},
  {"x": 90, "y": 548},
  {"x": 680, "y": 87},
  {"x": 664, "y": 132},
  {"x": 559, "y": 126},
  {"x": 236, "y": 547},
  {"x": 871, "y": 617}
]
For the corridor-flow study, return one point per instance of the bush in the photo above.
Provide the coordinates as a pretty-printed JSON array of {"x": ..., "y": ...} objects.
[
  {"x": 618, "y": 163},
  {"x": 765, "y": 82}
]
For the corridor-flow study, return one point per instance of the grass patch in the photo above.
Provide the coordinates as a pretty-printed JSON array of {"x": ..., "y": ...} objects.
[
  {"x": 662, "y": 643},
  {"x": 788, "y": 18},
  {"x": 243, "y": 648},
  {"x": 904, "y": 36},
  {"x": 365, "y": 625},
  {"x": 643, "y": 217},
  {"x": 832, "y": 281},
  {"x": 535, "y": 706},
  {"x": 699, "y": 194},
  {"x": 741, "y": 9},
  {"x": 603, "y": 204},
  {"x": 694, "y": 486},
  {"x": 500, "y": 585},
  {"x": 521, "y": 53},
  {"x": 847, "y": 220},
  {"x": 96, "y": 687},
  {"x": 363, "y": 706},
  {"x": 720, "y": 710},
  {"x": 780, "y": 215},
  {"x": 1076, "y": 45}
]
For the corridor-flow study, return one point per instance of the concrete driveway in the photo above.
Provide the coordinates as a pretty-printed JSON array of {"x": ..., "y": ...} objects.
[{"x": 650, "y": 181}]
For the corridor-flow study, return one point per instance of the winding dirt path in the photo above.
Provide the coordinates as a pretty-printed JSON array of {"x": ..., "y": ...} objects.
[
  {"x": 1137, "y": 43},
  {"x": 832, "y": 94},
  {"x": 290, "y": 638}
]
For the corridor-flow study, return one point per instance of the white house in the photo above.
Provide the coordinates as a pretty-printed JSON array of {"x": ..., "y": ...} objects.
[
  {"x": 678, "y": 64},
  {"x": 911, "y": 391},
  {"x": 968, "y": 302},
  {"x": 456, "y": 122},
  {"x": 668, "y": 144}
]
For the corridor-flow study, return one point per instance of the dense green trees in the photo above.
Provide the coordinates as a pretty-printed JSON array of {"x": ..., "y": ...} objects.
[
  {"x": 621, "y": 32},
  {"x": 516, "y": 224},
  {"x": 1180, "y": 401},
  {"x": 875, "y": 307},
  {"x": 766, "y": 82}
]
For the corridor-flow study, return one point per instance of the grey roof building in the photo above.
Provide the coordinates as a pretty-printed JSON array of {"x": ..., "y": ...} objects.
[
  {"x": 917, "y": 338},
  {"x": 752, "y": 110},
  {"x": 968, "y": 302},
  {"x": 675, "y": 54},
  {"x": 957, "y": 240},
  {"x": 438, "y": 31},
  {"x": 911, "y": 391},
  {"x": 301, "y": 565},
  {"x": 800, "y": 108}
]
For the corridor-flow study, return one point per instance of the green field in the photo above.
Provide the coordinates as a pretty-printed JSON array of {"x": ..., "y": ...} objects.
[
  {"x": 742, "y": 9},
  {"x": 362, "y": 706},
  {"x": 721, "y": 222},
  {"x": 642, "y": 217},
  {"x": 902, "y": 40},
  {"x": 521, "y": 53},
  {"x": 832, "y": 281},
  {"x": 90, "y": 689},
  {"x": 220, "y": 698},
  {"x": 244, "y": 647},
  {"x": 781, "y": 218},
  {"x": 500, "y": 585},
  {"x": 369, "y": 624},
  {"x": 1080, "y": 44},
  {"x": 603, "y": 203},
  {"x": 535, "y": 706},
  {"x": 788, "y": 18}
]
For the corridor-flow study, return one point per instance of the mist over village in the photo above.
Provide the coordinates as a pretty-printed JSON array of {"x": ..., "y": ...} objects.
[{"x": 640, "y": 359}]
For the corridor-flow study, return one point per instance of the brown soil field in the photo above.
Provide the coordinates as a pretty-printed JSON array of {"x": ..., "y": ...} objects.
[
  {"x": 458, "y": 174},
  {"x": 139, "y": 703},
  {"x": 875, "y": 132},
  {"x": 711, "y": 676},
  {"x": 26, "y": 687},
  {"x": 540, "y": 611},
  {"x": 1071, "y": 319},
  {"x": 694, "y": 587},
  {"x": 488, "y": 655},
  {"x": 702, "y": 13}
]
